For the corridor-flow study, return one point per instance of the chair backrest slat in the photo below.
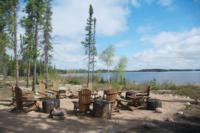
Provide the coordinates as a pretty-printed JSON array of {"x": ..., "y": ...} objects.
[{"x": 85, "y": 96}]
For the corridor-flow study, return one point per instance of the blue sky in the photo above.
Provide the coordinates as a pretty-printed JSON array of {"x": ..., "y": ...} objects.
[{"x": 150, "y": 33}]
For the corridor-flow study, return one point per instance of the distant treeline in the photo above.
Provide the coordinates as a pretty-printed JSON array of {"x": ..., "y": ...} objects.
[
  {"x": 104, "y": 70},
  {"x": 78, "y": 71},
  {"x": 9, "y": 70},
  {"x": 166, "y": 70}
]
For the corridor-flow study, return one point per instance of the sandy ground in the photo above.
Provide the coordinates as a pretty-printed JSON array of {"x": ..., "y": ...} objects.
[{"x": 139, "y": 120}]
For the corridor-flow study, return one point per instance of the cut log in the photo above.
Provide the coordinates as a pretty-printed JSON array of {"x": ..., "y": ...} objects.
[
  {"x": 48, "y": 105},
  {"x": 152, "y": 104},
  {"x": 102, "y": 108}
]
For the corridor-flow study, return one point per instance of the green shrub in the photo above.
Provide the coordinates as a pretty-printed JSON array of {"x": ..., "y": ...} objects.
[
  {"x": 103, "y": 81},
  {"x": 191, "y": 91},
  {"x": 74, "y": 81}
]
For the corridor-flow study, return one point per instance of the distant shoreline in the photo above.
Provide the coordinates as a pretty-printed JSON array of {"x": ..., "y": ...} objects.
[{"x": 142, "y": 70}]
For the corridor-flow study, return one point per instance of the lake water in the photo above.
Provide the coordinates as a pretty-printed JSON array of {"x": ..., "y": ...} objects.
[{"x": 177, "y": 77}]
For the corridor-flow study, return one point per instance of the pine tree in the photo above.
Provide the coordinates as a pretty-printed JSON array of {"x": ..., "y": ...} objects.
[
  {"x": 47, "y": 38},
  {"x": 32, "y": 22},
  {"x": 94, "y": 51},
  {"x": 12, "y": 29},
  {"x": 3, "y": 36},
  {"x": 26, "y": 56},
  {"x": 89, "y": 42}
]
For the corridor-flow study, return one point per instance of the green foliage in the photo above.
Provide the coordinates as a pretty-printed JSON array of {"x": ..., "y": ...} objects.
[
  {"x": 103, "y": 81},
  {"x": 89, "y": 33},
  {"x": 35, "y": 10},
  {"x": 153, "y": 84},
  {"x": 192, "y": 91},
  {"x": 120, "y": 68},
  {"x": 47, "y": 28},
  {"x": 89, "y": 43},
  {"x": 74, "y": 81},
  {"x": 107, "y": 55},
  {"x": 7, "y": 9}
]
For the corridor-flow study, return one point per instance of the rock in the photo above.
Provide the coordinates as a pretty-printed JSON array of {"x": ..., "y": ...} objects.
[
  {"x": 180, "y": 113},
  {"x": 159, "y": 110},
  {"x": 170, "y": 120},
  {"x": 58, "y": 117},
  {"x": 148, "y": 125},
  {"x": 188, "y": 97},
  {"x": 1, "y": 77},
  {"x": 58, "y": 114},
  {"x": 188, "y": 104},
  {"x": 109, "y": 129}
]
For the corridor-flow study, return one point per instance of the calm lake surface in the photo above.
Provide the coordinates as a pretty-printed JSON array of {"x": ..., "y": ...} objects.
[{"x": 183, "y": 77}]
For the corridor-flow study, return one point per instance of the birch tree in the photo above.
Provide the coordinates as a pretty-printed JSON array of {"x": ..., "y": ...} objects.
[
  {"x": 120, "y": 68},
  {"x": 107, "y": 57}
]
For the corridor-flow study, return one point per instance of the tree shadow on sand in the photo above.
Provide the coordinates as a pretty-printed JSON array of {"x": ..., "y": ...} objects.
[{"x": 20, "y": 123}]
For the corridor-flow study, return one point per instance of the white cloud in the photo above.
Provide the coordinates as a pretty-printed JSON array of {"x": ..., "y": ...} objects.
[
  {"x": 144, "y": 29},
  {"x": 135, "y": 3},
  {"x": 123, "y": 44},
  {"x": 165, "y": 2},
  {"x": 69, "y": 17},
  {"x": 69, "y": 21},
  {"x": 69, "y": 55},
  {"x": 170, "y": 50},
  {"x": 177, "y": 38}
]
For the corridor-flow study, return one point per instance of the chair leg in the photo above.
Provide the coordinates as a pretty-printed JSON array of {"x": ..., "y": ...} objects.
[{"x": 76, "y": 108}]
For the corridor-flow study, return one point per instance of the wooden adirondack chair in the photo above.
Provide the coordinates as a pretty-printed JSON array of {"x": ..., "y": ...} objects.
[
  {"x": 41, "y": 90},
  {"x": 24, "y": 101},
  {"x": 84, "y": 101},
  {"x": 53, "y": 92},
  {"x": 55, "y": 89},
  {"x": 110, "y": 95}
]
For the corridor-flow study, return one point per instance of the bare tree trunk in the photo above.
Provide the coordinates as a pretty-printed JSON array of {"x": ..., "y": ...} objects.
[
  {"x": 28, "y": 73},
  {"x": 34, "y": 77},
  {"x": 35, "y": 60},
  {"x": 92, "y": 70},
  {"x": 15, "y": 47},
  {"x": 108, "y": 74},
  {"x": 88, "y": 76},
  {"x": 40, "y": 67},
  {"x": 46, "y": 66}
]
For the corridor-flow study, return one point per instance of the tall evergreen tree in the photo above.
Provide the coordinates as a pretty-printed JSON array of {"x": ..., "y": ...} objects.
[
  {"x": 33, "y": 21},
  {"x": 47, "y": 38},
  {"x": 94, "y": 50},
  {"x": 3, "y": 36},
  {"x": 89, "y": 42},
  {"x": 26, "y": 54},
  {"x": 12, "y": 29}
]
